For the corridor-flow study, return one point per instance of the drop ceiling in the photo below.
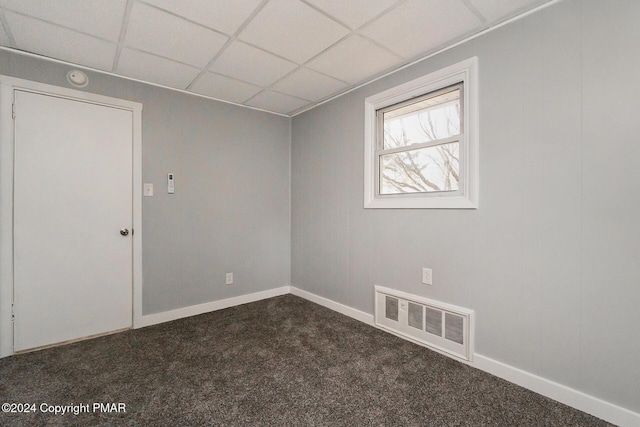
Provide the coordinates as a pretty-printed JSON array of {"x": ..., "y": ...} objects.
[{"x": 283, "y": 56}]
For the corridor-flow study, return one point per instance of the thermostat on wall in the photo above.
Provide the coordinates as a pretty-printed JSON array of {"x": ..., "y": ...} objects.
[{"x": 170, "y": 184}]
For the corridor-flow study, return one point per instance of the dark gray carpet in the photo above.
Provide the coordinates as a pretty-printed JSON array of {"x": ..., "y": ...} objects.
[{"x": 279, "y": 362}]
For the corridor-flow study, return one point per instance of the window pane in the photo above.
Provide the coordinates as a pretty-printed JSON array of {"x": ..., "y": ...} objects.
[
  {"x": 425, "y": 120},
  {"x": 423, "y": 170}
]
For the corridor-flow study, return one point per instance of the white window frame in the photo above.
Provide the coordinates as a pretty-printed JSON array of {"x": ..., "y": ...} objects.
[{"x": 465, "y": 72}]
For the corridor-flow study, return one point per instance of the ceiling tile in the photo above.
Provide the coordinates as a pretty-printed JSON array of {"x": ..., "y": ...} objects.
[
  {"x": 419, "y": 26},
  {"x": 222, "y": 15},
  {"x": 225, "y": 88},
  {"x": 151, "y": 68},
  {"x": 97, "y": 17},
  {"x": 308, "y": 84},
  {"x": 277, "y": 102},
  {"x": 252, "y": 65},
  {"x": 494, "y": 10},
  {"x": 292, "y": 30},
  {"x": 364, "y": 60},
  {"x": 158, "y": 32},
  {"x": 354, "y": 13},
  {"x": 47, "y": 39}
]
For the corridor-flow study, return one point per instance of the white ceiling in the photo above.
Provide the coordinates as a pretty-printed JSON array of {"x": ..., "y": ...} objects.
[{"x": 282, "y": 56}]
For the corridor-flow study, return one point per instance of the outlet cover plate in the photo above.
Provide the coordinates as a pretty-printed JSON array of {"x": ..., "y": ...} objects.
[{"x": 427, "y": 276}]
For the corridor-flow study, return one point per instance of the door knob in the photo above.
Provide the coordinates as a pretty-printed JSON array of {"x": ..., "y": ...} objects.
[{"x": 124, "y": 232}]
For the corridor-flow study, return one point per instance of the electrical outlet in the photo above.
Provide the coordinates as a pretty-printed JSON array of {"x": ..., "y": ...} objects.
[
  {"x": 229, "y": 279},
  {"x": 426, "y": 276}
]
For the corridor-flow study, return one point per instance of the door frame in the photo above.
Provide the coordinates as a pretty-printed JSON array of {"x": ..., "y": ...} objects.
[{"x": 7, "y": 87}]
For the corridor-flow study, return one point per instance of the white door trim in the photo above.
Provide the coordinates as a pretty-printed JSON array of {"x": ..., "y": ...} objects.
[{"x": 7, "y": 87}]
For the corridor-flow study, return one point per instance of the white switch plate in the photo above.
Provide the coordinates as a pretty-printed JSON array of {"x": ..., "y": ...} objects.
[
  {"x": 148, "y": 190},
  {"x": 426, "y": 276},
  {"x": 229, "y": 279}
]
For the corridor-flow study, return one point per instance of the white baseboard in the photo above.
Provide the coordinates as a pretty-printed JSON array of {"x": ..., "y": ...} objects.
[
  {"x": 194, "y": 310},
  {"x": 335, "y": 306},
  {"x": 563, "y": 394}
]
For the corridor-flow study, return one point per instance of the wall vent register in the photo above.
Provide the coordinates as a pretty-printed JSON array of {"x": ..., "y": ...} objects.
[{"x": 441, "y": 326}]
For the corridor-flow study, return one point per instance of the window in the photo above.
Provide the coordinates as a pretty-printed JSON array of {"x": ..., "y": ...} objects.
[
  {"x": 421, "y": 142},
  {"x": 418, "y": 144}
]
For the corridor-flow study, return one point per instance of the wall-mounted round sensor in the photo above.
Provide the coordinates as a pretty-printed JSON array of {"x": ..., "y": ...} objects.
[{"x": 77, "y": 78}]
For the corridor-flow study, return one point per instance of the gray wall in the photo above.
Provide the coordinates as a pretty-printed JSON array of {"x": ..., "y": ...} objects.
[
  {"x": 551, "y": 259},
  {"x": 231, "y": 209}
]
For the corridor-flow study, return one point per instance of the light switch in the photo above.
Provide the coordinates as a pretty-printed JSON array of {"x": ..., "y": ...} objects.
[{"x": 148, "y": 190}]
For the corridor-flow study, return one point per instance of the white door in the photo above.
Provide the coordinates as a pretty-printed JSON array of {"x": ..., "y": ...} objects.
[{"x": 72, "y": 197}]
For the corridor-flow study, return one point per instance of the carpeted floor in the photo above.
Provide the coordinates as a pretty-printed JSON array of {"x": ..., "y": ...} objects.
[{"x": 278, "y": 362}]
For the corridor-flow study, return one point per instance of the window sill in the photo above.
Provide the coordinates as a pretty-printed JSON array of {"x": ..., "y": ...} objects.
[{"x": 436, "y": 202}]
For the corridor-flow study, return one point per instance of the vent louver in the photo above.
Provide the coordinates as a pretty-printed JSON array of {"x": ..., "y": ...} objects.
[{"x": 434, "y": 324}]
